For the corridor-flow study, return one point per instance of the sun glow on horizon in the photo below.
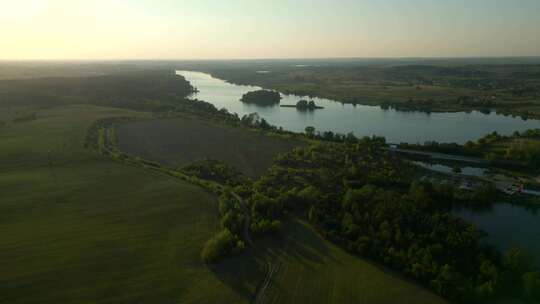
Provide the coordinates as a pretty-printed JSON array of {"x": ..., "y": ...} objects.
[{"x": 204, "y": 29}]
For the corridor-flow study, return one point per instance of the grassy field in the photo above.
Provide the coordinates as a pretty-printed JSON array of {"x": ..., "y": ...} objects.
[
  {"x": 299, "y": 266},
  {"x": 179, "y": 141},
  {"x": 77, "y": 227}
]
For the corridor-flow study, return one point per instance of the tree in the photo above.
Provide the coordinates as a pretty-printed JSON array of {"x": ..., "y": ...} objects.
[
  {"x": 310, "y": 131},
  {"x": 220, "y": 245},
  {"x": 302, "y": 104},
  {"x": 516, "y": 261},
  {"x": 446, "y": 281}
]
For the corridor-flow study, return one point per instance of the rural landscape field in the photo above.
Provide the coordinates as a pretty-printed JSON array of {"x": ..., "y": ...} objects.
[
  {"x": 107, "y": 232},
  {"x": 269, "y": 152}
]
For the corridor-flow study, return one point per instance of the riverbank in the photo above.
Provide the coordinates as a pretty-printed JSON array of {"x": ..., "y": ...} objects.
[{"x": 426, "y": 88}]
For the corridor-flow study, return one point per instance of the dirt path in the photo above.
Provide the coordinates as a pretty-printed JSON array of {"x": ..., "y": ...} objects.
[
  {"x": 247, "y": 221},
  {"x": 260, "y": 296}
]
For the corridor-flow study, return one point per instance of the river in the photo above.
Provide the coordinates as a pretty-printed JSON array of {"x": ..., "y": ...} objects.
[
  {"x": 507, "y": 225},
  {"x": 396, "y": 126}
]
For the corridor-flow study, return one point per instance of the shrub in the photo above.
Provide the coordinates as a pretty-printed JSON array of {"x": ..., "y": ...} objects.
[{"x": 222, "y": 244}]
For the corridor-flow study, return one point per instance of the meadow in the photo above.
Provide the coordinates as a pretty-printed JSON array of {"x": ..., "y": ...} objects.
[{"x": 79, "y": 228}]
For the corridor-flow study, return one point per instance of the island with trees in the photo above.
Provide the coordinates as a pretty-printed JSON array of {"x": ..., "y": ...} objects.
[
  {"x": 304, "y": 105},
  {"x": 261, "y": 97}
]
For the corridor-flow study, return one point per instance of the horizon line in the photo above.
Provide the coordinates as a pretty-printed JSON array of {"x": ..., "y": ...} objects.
[{"x": 269, "y": 58}]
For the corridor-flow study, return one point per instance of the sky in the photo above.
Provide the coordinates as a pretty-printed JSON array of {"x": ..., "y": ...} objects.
[{"x": 246, "y": 29}]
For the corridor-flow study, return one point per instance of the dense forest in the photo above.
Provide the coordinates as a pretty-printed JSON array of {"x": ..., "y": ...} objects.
[
  {"x": 154, "y": 90},
  {"x": 363, "y": 198}
]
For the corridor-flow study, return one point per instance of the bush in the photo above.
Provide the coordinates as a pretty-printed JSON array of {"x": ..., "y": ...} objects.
[
  {"x": 265, "y": 226},
  {"x": 222, "y": 244}
]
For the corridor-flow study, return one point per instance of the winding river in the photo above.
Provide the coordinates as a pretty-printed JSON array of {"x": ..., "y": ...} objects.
[
  {"x": 396, "y": 126},
  {"x": 507, "y": 225}
]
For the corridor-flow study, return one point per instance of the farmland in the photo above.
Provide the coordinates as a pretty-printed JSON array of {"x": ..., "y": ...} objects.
[
  {"x": 79, "y": 228},
  {"x": 179, "y": 141}
]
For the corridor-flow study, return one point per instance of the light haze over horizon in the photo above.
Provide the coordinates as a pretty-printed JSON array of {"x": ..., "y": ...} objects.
[{"x": 243, "y": 29}]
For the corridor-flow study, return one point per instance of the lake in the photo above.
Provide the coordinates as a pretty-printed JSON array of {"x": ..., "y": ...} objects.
[
  {"x": 508, "y": 226},
  {"x": 396, "y": 126}
]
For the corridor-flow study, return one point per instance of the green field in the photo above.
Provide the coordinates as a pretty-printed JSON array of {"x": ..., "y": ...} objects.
[
  {"x": 179, "y": 141},
  {"x": 301, "y": 267},
  {"x": 79, "y": 228}
]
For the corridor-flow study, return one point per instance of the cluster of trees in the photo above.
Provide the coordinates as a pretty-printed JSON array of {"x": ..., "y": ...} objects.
[
  {"x": 363, "y": 198},
  {"x": 214, "y": 170},
  {"x": 257, "y": 217},
  {"x": 220, "y": 245},
  {"x": 524, "y": 150},
  {"x": 307, "y": 105},
  {"x": 477, "y": 101},
  {"x": 330, "y": 136},
  {"x": 253, "y": 120},
  {"x": 521, "y": 149},
  {"x": 447, "y": 148},
  {"x": 262, "y": 97}
]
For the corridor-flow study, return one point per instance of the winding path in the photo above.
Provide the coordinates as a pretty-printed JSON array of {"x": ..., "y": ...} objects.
[{"x": 247, "y": 221}]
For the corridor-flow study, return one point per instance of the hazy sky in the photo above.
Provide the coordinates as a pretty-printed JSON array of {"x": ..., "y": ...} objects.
[{"x": 192, "y": 29}]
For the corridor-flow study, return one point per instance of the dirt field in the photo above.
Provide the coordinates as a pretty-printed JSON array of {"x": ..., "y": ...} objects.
[{"x": 179, "y": 141}]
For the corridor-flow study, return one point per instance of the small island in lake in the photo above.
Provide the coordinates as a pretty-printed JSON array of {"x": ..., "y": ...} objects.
[
  {"x": 304, "y": 105},
  {"x": 261, "y": 97}
]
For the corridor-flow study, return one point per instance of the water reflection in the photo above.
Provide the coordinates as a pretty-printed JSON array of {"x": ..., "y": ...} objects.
[
  {"x": 508, "y": 226},
  {"x": 396, "y": 126}
]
